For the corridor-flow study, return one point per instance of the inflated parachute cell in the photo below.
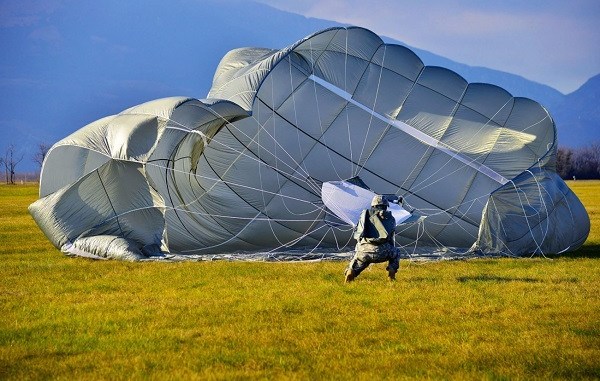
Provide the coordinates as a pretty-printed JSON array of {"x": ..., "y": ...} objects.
[{"x": 289, "y": 145}]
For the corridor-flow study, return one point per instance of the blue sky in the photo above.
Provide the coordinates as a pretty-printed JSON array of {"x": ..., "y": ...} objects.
[{"x": 553, "y": 42}]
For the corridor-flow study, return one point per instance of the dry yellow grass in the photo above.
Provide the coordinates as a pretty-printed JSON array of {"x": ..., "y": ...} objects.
[{"x": 481, "y": 319}]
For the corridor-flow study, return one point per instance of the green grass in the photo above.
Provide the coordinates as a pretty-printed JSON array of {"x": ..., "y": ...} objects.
[{"x": 65, "y": 318}]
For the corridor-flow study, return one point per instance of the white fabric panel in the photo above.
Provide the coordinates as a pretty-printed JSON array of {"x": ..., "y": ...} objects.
[
  {"x": 404, "y": 165},
  {"x": 476, "y": 198},
  {"x": 510, "y": 224},
  {"x": 161, "y": 108},
  {"x": 324, "y": 164},
  {"x": 347, "y": 201},
  {"x": 236, "y": 60}
]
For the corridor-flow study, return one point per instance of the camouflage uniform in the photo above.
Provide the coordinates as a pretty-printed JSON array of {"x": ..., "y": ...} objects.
[{"x": 375, "y": 241}]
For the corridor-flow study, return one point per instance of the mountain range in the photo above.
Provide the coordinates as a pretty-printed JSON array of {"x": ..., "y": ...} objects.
[{"x": 69, "y": 66}]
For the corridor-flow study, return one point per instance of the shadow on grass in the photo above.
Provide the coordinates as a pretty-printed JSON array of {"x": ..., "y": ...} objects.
[
  {"x": 494, "y": 278},
  {"x": 585, "y": 251},
  {"x": 506, "y": 279}
]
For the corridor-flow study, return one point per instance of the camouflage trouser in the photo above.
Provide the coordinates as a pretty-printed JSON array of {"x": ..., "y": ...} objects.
[{"x": 369, "y": 253}]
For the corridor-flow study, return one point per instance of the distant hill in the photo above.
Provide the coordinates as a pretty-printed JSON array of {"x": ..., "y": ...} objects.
[
  {"x": 89, "y": 59},
  {"x": 515, "y": 84},
  {"x": 578, "y": 115}
]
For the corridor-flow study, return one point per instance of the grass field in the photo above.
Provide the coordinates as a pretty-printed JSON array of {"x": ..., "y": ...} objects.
[{"x": 65, "y": 318}]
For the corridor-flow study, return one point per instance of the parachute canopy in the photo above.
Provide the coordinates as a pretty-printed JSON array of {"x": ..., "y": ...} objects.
[{"x": 264, "y": 163}]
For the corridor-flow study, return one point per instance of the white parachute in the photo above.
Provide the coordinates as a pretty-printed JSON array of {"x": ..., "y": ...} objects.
[{"x": 289, "y": 144}]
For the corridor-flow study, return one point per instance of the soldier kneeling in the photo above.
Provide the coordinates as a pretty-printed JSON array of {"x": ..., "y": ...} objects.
[{"x": 375, "y": 240}]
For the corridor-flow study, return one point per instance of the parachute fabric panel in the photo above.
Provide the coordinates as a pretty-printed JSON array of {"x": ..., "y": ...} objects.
[
  {"x": 117, "y": 167},
  {"x": 101, "y": 203},
  {"x": 347, "y": 201},
  {"x": 535, "y": 213},
  {"x": 243, "y": 171}
]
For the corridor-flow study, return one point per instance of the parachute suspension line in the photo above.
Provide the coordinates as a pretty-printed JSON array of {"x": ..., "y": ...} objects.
[
  {"x": 319, "y": 111},
  {"x": 415, "y": 243},
  {"x": 346, "y": 110},
  {"x": 205, "y": 214},
  {"x": 449, "y": 158},
  {"x": 321, "y": 209},
  {"x": 518, "y": 191},
  {"x": 276, "y": 145},
  {"x": 275, "y": 168},
  {"x": 321, "y": 240},
  {"x": 416, "y": 133},
  {"x": 300, "y": 179},
  {"x": 109, "y": 201},
  {"x": 536, "y": 123},
  {"x": 224, "y": 242},
  {"x": 572, "y": 219},
  {"x": 424, "y": 183},
  {"x": 260, "y": 181},
  {"x": 362, "y": 150},
  {"x": 545, "y": 211},
  {"x": 278, "y": 180},
  {"x": 242, "y": 152},
  {"x": 337, "y": 244},
  {"x": 297, "y": 239},
  {"x": 219, "y": 180},
  {"x": 293, "y": 93},
  {"x": 493, "y": 201},
  {"x": 542, "y": 192}
]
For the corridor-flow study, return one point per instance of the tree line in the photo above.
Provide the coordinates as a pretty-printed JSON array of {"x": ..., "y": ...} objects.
[
  {"x": 12, "y": 158},
  {"x": 579, "y": 163}
]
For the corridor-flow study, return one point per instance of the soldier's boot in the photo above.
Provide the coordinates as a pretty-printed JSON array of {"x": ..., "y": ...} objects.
[
  {"x": 392, "y": 275},
  {"x": 349, "y": 276}
]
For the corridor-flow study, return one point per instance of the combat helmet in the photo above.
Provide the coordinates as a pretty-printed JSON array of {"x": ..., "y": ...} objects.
[{"x": 379, "y": 200}]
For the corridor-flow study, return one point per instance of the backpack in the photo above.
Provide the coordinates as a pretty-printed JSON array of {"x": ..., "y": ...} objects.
[{"x": 374, "y": 231}]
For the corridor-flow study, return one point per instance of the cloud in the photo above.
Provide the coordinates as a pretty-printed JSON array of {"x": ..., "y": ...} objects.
[
  {"x": 48, "y": 34},
  {"x": 22, "y": 82},
  {"x": 110, "y": 46},
  {"x": 25, "y": 12}
]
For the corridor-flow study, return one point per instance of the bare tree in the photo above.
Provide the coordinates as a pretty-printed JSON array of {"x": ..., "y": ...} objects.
[
  {"x": 40, "y": 154},
  {"x": 10, "y": 161},
  {"x": 564, "y": 162},
  {"x": 580, "y": 162},
  {"x": 3, "y": 164}
]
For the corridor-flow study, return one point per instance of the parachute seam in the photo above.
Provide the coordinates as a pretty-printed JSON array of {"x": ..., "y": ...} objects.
[
  {"x": 371, "y": 172},
  {"x": 109, "y": 201},
  {"x": 261, "y": 161}
]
